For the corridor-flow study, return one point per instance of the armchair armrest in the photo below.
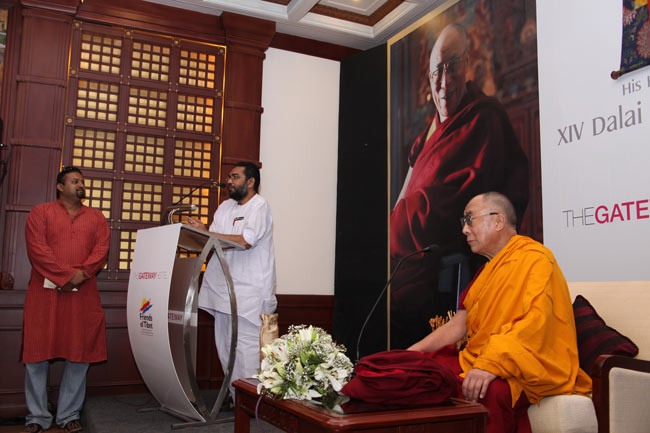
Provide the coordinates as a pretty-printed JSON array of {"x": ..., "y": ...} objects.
[{"x": 620, "y": 392}]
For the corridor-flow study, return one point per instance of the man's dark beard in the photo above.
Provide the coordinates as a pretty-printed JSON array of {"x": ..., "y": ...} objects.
[
  {"x": 81, "y": 193},
  {"x": 237, "y": 193}
]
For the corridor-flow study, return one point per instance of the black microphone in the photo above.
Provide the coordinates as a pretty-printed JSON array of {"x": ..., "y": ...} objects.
[
  {"x": 433, "y": 248},
  {"x": 218, "y": 184}
]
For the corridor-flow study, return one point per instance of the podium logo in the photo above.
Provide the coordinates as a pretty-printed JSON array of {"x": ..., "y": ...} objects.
[
  {"x": 146, "y": 306},
  {"x": 161, "y": 275},
  {"x": 146, "y": 320}
]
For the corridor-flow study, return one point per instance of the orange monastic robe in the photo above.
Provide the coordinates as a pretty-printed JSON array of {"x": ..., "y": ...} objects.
[{"x": 521, "y": 326}]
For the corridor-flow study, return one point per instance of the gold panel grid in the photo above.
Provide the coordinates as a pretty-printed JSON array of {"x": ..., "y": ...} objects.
[
  {"x": 93, "y": 148},
  {"x": 150, "y": 61},
  {"x": 97, "y": 100},
  {"x": 100, "y": 53},
  {"x": 127, "y": 246},
  {"x": 144, "y": 154},
  {"x": 99, "y": 195},
  {"x": 197, "y": 69},
  {"x": 192, "y": 158},
  {"x": 200, "y": 198},
  {"x": 147, "y": 107},
  {"x": 141, "y": 202},
  {"x": 194, "y": 113}
]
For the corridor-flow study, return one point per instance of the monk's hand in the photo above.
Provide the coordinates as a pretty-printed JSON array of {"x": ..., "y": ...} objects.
[
  {"x": 476, "y": 384},
  {"x": 192, "y": 222}
]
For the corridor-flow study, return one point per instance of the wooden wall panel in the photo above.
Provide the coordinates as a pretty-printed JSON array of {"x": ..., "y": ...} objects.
[
  {"x": 45, "y": 60},
  {"x": 316, "y": 310},
  {"x": 40, "y": 123},
  {"x": 33, "y": 186},
  {"x": 15, "y": 257},
  {"x": 12, "y": 398},
  {"x": 247, "y": 39},
  {"x": 153, "y": 17}
]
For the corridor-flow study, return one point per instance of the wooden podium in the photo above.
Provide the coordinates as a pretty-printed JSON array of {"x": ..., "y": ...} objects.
[{"x": 162, "y": 317}]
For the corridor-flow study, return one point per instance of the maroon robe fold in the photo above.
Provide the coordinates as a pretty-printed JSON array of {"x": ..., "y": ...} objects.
[
  {"x": 402, "y": 378},
  {"x": 58, "y": 324},
  {"x": 472, "y": 152},
  {"x": 503, "y": 416}
]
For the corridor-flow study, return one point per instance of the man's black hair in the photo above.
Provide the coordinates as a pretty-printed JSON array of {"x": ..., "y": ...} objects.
[
  {"x": 60, "y": 178},
  {"x": 251, "y": 170}
]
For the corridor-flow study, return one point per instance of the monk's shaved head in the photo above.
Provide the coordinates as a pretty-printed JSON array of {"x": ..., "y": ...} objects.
[
  {"x": 489, "y": 222},
  {"x": 500, "y": 203},
  {"x": 453, "y": 34}
]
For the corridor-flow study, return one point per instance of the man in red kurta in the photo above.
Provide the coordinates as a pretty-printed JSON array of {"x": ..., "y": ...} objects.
[
  {"x": 469, "y": 148},
  {"x": 67, "y": 244},
  {"x": 518, "y": 317}
]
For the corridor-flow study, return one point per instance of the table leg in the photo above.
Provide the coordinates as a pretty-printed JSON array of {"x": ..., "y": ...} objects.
[{"x": 242, "y": 419}]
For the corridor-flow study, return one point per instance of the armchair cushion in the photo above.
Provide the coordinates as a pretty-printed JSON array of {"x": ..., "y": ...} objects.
[
  {"x": 595, "y": 338},
  {"x": 563, "y": 414}
]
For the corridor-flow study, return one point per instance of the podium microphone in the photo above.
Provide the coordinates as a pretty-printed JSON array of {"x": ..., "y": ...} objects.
[
  {"x": 179, "y": 208},
  {"x": 433, "y": 248},
  {"x": 208, "y": 184}
]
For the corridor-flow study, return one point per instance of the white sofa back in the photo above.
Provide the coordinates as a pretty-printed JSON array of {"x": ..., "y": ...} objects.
[{"x": 623, "y": 305}]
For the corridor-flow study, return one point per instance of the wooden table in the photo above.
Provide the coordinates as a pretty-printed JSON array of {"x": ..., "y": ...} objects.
[{"x": 302, "y": 417}]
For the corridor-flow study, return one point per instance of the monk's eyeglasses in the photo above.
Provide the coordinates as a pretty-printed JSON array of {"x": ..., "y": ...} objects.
[
  {"x": 450, "y": 68},
  {"x": 468, "y": 219}
]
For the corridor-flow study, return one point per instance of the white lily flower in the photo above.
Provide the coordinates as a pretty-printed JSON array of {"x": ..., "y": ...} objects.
[
  {"x": 302, "y": 361},
  {"x": 335, "y": 383}
]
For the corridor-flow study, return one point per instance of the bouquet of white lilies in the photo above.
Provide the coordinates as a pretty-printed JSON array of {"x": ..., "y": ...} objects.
[{"x": 304, "y": 364}]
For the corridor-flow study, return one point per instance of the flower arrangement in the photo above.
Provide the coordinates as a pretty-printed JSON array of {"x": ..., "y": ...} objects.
[{"x": 304, "y": 364}]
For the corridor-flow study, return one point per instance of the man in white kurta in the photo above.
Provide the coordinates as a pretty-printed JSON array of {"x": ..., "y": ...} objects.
[{"x": 246, "y": 219}]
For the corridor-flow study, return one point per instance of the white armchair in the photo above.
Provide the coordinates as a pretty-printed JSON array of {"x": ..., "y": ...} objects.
[{"x": 621, "y": 393}]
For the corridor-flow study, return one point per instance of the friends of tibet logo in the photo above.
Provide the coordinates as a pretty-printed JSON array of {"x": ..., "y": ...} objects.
[
  {"x": 146, "y": 319},
  {"x": 607, "y": 213}
]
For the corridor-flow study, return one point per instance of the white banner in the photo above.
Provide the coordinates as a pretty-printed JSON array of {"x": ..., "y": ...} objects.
[{"x": 595, "y": 143}]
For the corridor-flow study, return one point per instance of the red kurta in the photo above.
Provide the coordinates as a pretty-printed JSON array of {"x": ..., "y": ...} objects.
[
  {"x": 57, "y": 324},
  {"x": 472, "y": 152}
]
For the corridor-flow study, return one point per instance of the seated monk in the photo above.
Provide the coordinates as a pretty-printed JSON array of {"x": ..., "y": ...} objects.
[{"x": 518, "y": 316}]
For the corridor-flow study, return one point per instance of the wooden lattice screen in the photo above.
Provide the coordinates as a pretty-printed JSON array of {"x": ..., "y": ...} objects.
[{"x": 143, "y": 122}]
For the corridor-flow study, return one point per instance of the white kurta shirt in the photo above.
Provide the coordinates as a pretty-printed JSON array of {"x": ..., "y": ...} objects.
[{"x": 252, "y": 270}]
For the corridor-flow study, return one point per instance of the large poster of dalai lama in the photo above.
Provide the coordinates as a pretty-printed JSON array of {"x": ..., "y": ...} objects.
[{"x": 463, "y": 105}]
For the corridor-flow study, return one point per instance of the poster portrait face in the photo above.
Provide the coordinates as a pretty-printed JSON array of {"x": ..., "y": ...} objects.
[
  {"x": 463, "y": 120},
  {"x": 501, "y": 61}
]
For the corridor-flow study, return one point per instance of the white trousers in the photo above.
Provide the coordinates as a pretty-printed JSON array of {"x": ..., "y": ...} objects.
[{"x": 247, "y": 357}]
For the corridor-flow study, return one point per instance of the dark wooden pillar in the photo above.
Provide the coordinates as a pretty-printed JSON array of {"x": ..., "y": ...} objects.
[
  {"x": 35, "y": 126},
  {"x": 247, "y": 39}
]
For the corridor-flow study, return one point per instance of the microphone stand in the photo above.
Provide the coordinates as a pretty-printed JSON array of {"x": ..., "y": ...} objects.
[
  {"x": 217, "y": 184},
  {"x": 182, "y": 208},
  {"x": 175, "y": 207},
  {"x": 430, "y": 248}
]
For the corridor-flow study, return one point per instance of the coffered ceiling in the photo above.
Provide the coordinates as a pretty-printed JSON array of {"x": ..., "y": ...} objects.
[{"x": 359, "y": 24}]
